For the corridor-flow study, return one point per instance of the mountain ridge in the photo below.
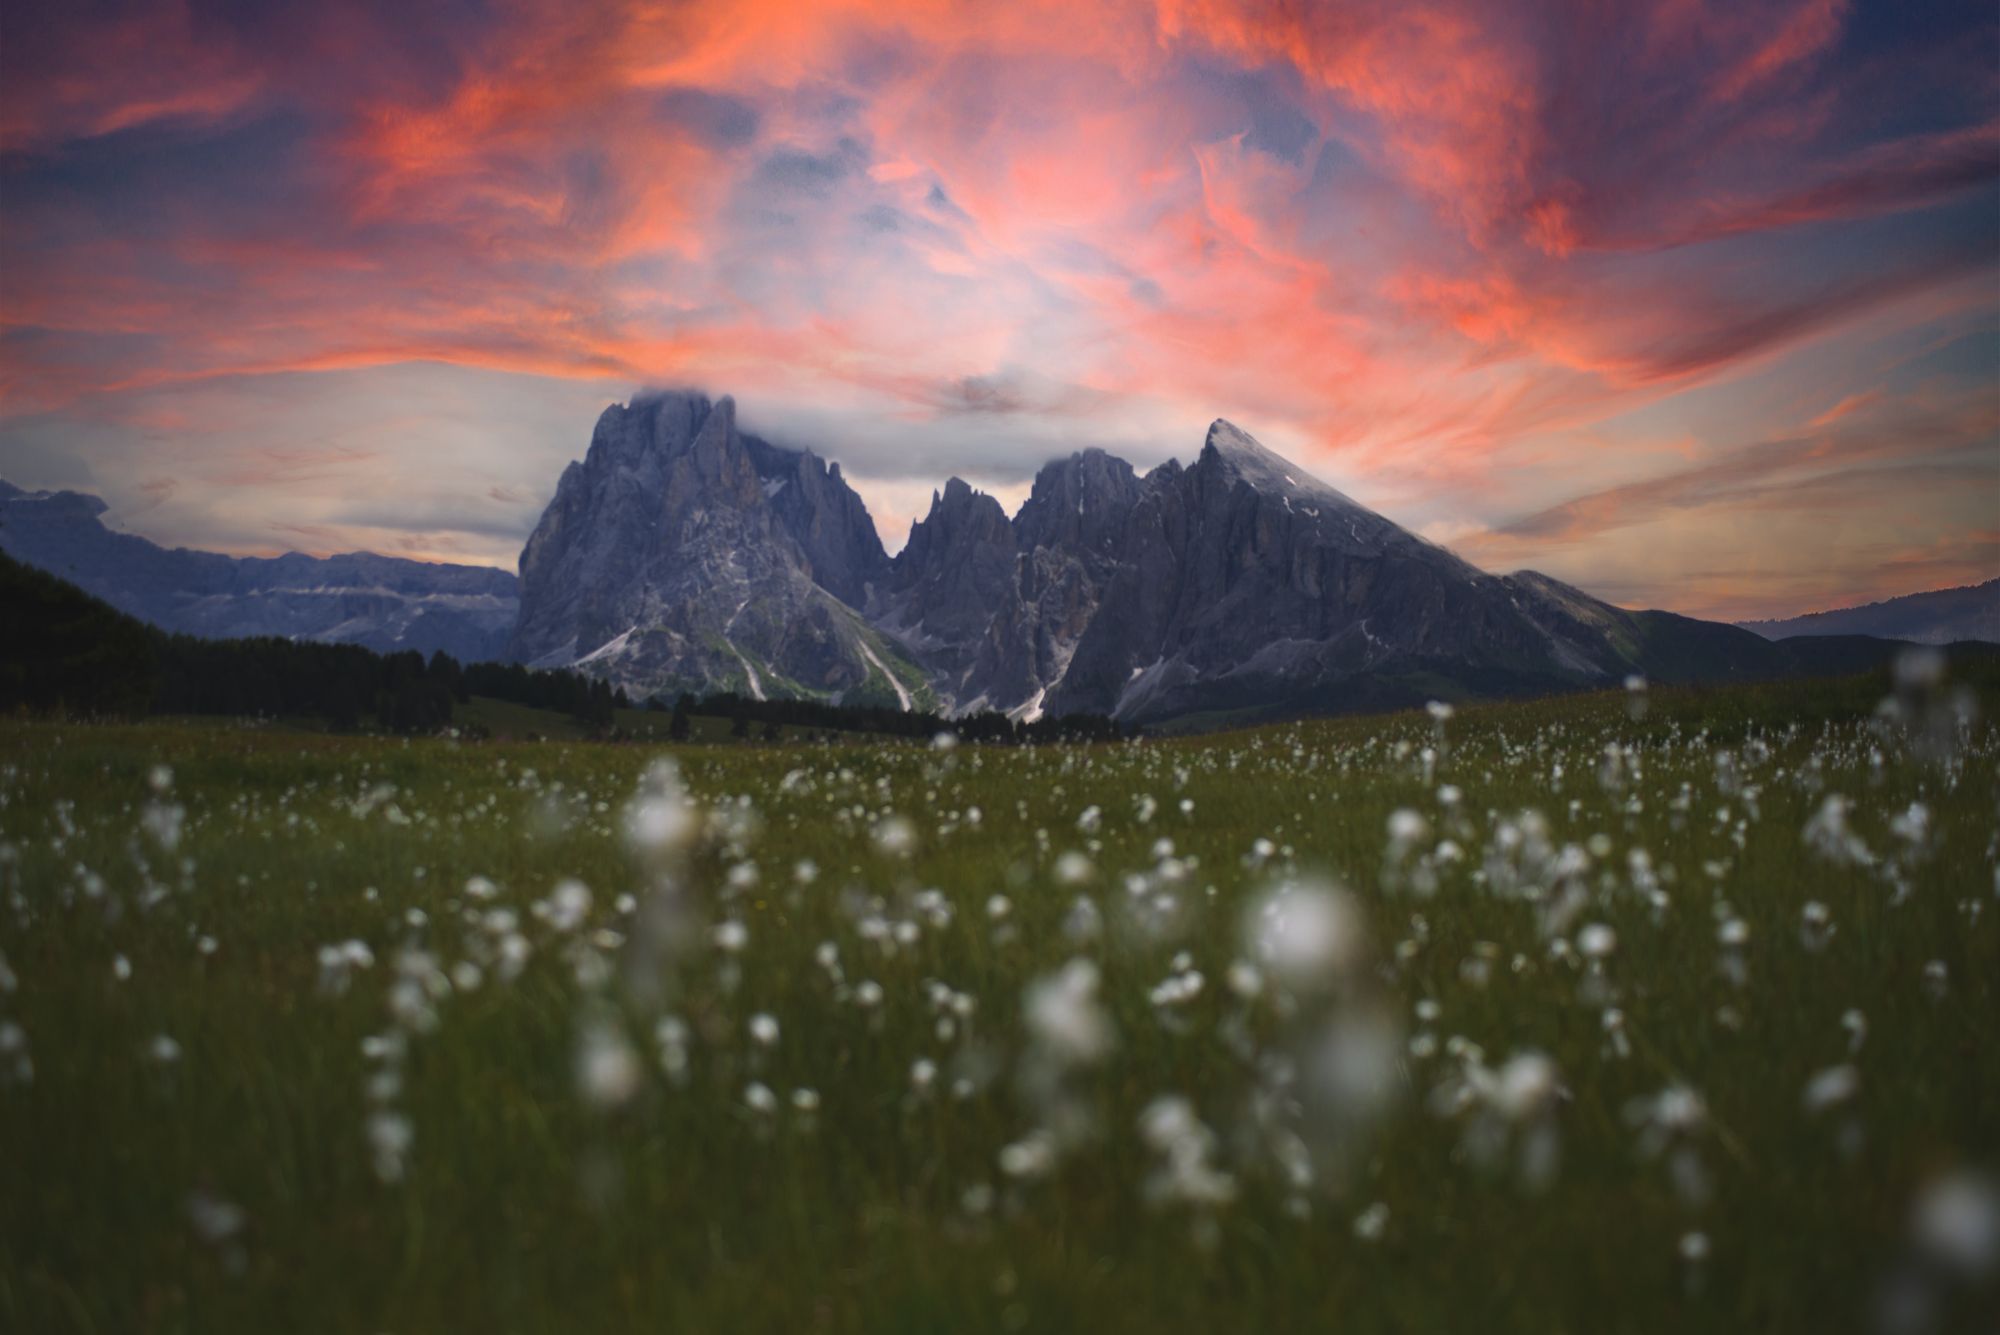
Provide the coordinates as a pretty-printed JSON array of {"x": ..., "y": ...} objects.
[
  {"x": 1239, "y": 583},
  {"x": 384, "y": 603},
  {"x": 1935, "y": 616},
  {"x": 682, "y": 552}
]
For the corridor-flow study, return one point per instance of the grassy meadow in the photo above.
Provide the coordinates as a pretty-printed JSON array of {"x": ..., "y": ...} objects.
[{"x": 1651, "y": 1012}]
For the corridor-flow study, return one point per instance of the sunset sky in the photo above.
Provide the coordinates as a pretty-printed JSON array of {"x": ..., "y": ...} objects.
[{"x": 1695, "y": 303}]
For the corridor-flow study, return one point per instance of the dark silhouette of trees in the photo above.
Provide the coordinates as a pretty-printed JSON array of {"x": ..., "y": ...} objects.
[{"x": 63, "y": 651}]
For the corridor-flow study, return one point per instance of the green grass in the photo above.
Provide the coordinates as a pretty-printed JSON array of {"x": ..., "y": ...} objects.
[
  {"x": 505, "y": 721},
  {"x": 527, "y": 1206}
]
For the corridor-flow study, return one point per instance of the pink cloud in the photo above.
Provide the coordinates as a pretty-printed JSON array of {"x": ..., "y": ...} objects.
[{"x": 1508, "y": 224}]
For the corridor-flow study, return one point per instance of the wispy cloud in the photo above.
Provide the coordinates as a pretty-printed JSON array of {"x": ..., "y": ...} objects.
[{"x": 1419, "y": 242}]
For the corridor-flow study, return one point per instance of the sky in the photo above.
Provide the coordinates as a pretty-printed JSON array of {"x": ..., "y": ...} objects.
[{"x": 1693, "y": 303}]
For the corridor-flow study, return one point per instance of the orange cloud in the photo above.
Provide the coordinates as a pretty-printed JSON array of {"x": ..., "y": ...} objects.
[{"x": 1423, "y": 241}]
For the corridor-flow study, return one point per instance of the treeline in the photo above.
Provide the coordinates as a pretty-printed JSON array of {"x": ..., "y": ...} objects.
[
  {"x": 272, "y": 677},
  {"x": 747, "y": 715},
  {"x": 572, "y": 693},
  {"x": 64, "y": 651}
]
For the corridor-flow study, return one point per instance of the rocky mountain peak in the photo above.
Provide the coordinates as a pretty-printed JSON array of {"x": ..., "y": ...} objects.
[
  {"x": 1233, "y": 452},
  {"x": 1079, "y": 503},
  {"x": 958, "y": 495},
  {"x": 1226, "y": 438},
  {"x": 1083, "y": 476},
  {"x": 684, "y": 553},
  {"x": 962, "y": 521}
]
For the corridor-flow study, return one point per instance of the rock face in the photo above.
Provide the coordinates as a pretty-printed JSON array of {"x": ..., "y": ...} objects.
[
  {"x": 381, "y": 602},
  {"x": 994, "y": 608},
  {"x": 823, "y": 515},
  {"x": 683, "y": 554},
  {"x": 1245, "y": 580},
  {"x": 1243, "y": 586},
  {"x": 944, "y": 586}
]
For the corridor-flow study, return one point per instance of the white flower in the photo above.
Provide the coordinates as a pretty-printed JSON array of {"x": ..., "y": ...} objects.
[
  {"x": 895, "y": 837},
  {"x": 1596, "y": 941},
  {"x": 1084, "y": 921},
  {"x": 764, "y": 1029},
  {"x": 1676, "y": 1113},
  {"x": 1957, "y": 1224},
  {"x": 1856, "y": 1025},
  {"x": 1834, "y": 1085},
  {"x": 1074, "y": 868},
  {"x": 1245, "y": 980},
  {"x": 1525, "y": 1086},
  {"x": 1170, "y": 1127},
  {"x": 1063, "y": 1015},
  {"x": 1828, "y": 835},
  {"x": 390, "y": 1135},
  {"x": 660, "y": 820},
  {"x": 215, "y": 1220},
  {"x": 566, "y": 907},
  {"x": 1407, "y": 828},
  {"x": 607, "y": 1070},
  {"x": 1307, "y": 934},
  {"x": 1031, "y": 1156},
  {"x": 1177, "y": 989}
]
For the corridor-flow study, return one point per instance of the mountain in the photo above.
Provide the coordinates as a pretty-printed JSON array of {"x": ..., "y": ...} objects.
[
  {"x": 682, "y": 553},
  {"x": 1939, "y": 617},
  {"x": 993, "y": 607},
  {"x": 1246, "y": 586},
  {"x": 1242, "y": 585},
  {"x": 381, "y": 602}
]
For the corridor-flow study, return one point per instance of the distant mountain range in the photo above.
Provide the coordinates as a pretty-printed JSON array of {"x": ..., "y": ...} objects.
[
  {"x": 1939, "y": 617},
  {"x": 682, "y": 553},
  {"x": 382, "y": 602}
]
